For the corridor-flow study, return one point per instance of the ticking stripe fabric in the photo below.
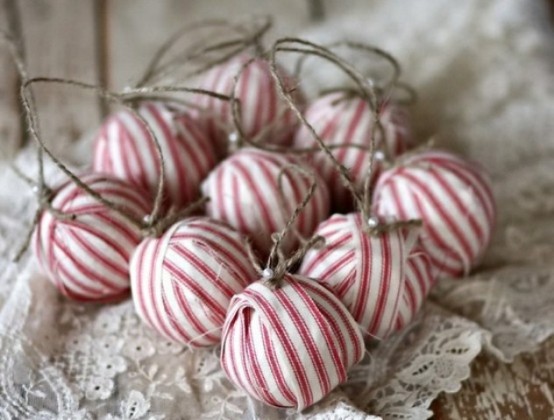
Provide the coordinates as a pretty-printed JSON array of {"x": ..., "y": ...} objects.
[
  {"x": 454, "y": 199},
  {"x": 182, "y": 282},
  {"x": 289, "y": 347},
  {"x": 244, "y": 193},
  {"x": 87, "y": 258},
  {"x": 382, "y": 280},
  {"x": 125, "y": 149},
  {"x": 339, "y": 120},
  {"x": 262, "y": 108}
]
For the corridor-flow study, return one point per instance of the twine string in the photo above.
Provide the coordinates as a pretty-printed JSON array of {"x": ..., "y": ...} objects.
[
  {"x": 300, "y": 46},
  {"x": 289, "y": 227},
  {"x": 366, "y": 90},
  {"x": 155, "y": 222},
  {"x": 277, "y": 263},
  {"x": 284, "y": 172},
  {"x": 32, "y": 117},
  {"x": 247, "y": 38},
  {"x": 372, "y": 49},
  {"x": 18, "y": 59},
  {"x": 405, "y": 157},
  {"x": 157, "y": 229}
]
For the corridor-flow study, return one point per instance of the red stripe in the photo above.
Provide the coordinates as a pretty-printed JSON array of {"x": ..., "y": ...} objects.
[
  {"x": 257, "y": 370},
  {"x": 238, "y": 210},
  {"x": 229, "y": 261},
  {"x": 365, "y": 274},
  {"x": 329, "y": 248},
  {"x": 275, "y": 367},
  {"x": 340, "y": 310},
  {"x": 452, "y": 225},
  {"x": 438, "y": 243},
  {"x": 258, "y": 195},
  {"x": 280, "y": 330},
  {"x": 82, "y": 268},
  {"x": 139, "y": 277},
  {"x": 305, "y": 333},
  {"x": 76, "y": 226},
  {"x": 151, "y": 278},
  {"x": 199, "y": 265},
  {"x": 184, "y": 280},
  {"x": 332, "y": 269},
  {"x": 171, "y": 141},
  {"x": 184, "y": 306},
  {"x": 453, "y": 195},
  {"x": 98, "y": 256},
  {"x": 237, "y": 244}
]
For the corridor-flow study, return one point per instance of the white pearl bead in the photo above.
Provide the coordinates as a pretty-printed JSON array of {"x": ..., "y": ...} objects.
[
  {"x": 267, "y": 273},
  {"x": 147, "y": 218},
  {"x": 234, "y": 137},
  {"x": 379, "y": 155},
  {"x": 372, "y": 222}
]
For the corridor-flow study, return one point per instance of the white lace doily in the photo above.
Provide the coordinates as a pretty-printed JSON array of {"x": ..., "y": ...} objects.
[{"x": 485, "y": 80}]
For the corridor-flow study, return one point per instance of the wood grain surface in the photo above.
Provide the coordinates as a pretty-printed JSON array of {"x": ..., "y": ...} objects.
[
  {"x": 523, "y": 389},
  {"x": 60, "y": 41},
  {"x": 11, "y": 137}
]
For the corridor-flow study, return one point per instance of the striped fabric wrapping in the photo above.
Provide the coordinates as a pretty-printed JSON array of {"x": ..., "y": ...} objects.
[
  {"x": 262, "y": 109},
  {"x": 87, "y": 259},
  {"x": 125, "y": 149},
  {"x": 289, "y": 347},
  {"x": 349, "y": 121},
  {"x": 419, "y": 279},
  {"x": 382, "y": 280},
  {"x": 182, "y": 282},
  {"x": 454, "y": 199},
  {"x": 244, "y": 193}
]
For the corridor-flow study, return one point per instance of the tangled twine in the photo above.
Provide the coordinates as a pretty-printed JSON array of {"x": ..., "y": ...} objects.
[
  {"x": 278, "y": 265},
  {"x": 365, "y": 90},
  {"x": 245, "y": 37}
]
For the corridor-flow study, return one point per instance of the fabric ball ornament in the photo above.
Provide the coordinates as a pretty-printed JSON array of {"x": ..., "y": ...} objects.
[
  {"x": 87, "y": 258},
  {"x": 262, "y": 108},
  {"x": 125, "y": 149},
  {"x": 341, "y": 120},
  {"x": 182, "y": 282},
  {"x": 244, "y": 192},
  {"x": 381, "y": 279},
  {"x": 290, "y": 346},
  {"x": 453, "y": 198}
]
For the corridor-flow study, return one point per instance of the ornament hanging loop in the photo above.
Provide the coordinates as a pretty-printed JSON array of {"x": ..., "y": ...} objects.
[{"x": 278, "y": 264}]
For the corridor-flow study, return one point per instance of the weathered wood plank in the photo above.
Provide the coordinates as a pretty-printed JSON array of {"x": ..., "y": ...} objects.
[
  {"x": 521, "y": 390},
  {"x": 11, "y": 135},
  {"x": 60, "y": 41},
  {"x": 138, "y": 27}
]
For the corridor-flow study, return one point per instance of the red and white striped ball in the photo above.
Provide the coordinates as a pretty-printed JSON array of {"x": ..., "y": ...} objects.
[
  {"x": 183, "y": 281},
  {"x": 262, "y": 108},
  {"x": 382, "y": 280},
  {"x": 453, "y": 198},
  {"x": 341, "y": 120},
  {"x": 244, "y": 192},
  {"x": 125, "y": 149},
  {"x": 291, "y": 346},
  {"x": 87, "y": 258}
]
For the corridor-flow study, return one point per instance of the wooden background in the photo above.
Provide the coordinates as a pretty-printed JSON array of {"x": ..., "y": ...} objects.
[
  {"x": 107, "y": 42},
  {"x": 97, "y": 41}
]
